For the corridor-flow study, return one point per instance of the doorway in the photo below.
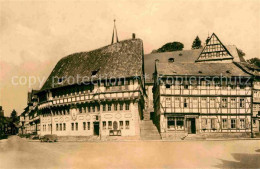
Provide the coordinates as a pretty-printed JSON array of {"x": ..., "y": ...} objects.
[
  {"x": 191, "y": 125},
  {"x": 96, "y": 128}
]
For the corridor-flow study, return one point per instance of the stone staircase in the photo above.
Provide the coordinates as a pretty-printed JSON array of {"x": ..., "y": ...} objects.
[{"x": 149, "y": 131}]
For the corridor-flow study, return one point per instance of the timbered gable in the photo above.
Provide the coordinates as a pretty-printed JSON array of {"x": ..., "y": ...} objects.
[{"x": 214, "y": 50}]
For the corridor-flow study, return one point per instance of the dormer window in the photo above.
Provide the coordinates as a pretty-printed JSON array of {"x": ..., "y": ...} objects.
[
  {"x": 227, "y": 71},
  {"x": 60, "y": 80},
  {"x": 94, "y": 72},
  {"x": 171, "y": 60},
  {"x": 168, "y": 86},
  {"x": 200, "y": 71}
]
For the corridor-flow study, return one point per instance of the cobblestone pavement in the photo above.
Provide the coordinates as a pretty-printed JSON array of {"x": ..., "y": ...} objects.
[{"x": 16, "y": 152}]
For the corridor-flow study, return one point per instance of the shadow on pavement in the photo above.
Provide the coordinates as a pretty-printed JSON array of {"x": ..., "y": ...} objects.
[{"x": 243, "y": 160}]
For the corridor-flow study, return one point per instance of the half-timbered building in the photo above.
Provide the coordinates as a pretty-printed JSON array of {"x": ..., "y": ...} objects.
[
  {"x": 95, "y": 93},
  {"x": 210, "y": 97},
  {"x": 187, "y": 56}
]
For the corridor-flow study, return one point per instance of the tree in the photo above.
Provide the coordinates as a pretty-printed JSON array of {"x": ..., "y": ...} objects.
[
  {"x": 196, "y": 43},
  {"x": 169, "y": 47},
  {"x": 14, "y": 116},
  {"x": 254, "y": 61}
]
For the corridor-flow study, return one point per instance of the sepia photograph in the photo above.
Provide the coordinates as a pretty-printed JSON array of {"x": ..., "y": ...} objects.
[{"x": 129, "y": 84}]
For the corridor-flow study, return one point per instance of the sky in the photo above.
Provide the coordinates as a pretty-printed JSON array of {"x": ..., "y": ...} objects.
[{"x": 35, "y": 35}]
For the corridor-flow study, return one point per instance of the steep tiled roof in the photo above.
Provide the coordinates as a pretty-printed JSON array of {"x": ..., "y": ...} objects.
[
  {"x": 200, "y": 69},
  {"x": 123, "y": 59},
  {"x": 185, "y": 56}
]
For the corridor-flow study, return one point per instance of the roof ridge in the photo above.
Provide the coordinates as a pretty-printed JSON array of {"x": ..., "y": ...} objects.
[{"x": 100, "y": 48}]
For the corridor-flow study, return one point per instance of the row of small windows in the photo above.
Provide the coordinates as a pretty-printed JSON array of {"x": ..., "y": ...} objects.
[
  {"x": 193, "y": 102},
  {"x": 177, "y": 123},
  {"x": 86, "y": 126},
  {"x": 195, "y": 84},
  {"x": 94, "y": 108},
  {"x": 115, "y": 125},
  {"x": 89, "y": 88}
]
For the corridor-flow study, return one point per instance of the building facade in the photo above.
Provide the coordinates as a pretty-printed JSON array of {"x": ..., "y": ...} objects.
[
  {"x": 210, "y": 97},
  {"x": 201, "y": 104},
  {"x": 109, "y": 103},
  {"x": 29, "y": 120}
]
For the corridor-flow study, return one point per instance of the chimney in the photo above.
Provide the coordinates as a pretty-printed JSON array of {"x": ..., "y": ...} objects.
[{"x": 133, "y": 36}]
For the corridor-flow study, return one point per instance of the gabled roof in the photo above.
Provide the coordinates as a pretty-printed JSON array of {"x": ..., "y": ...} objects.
[
  {"x": 214, "y": 50},
  {"x": 184, "y": 56},
  {"x": 200, "y": 69},
  {"x": 123, "y": 59}
]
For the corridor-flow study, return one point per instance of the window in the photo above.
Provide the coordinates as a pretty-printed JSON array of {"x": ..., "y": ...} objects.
[
  {"x": 185, "y": 102},
  {"x": 213, "y": 123},
  {"x": 224, "y": 84},
  {"x": 233, "y": 102},
  {"x": 127, "y": 124},
  {"x": 224, "y": 124},
  {"x": 64, "y": 126},
  {"x": 242, "y": 123},
  {"x": 242, "y": 103},
  {"x": 72, "y": 126},
  {"x": 93, "y": 108},
  {"x": 57, "y": 127},
  {"x": 203, "y": 102},
  {"x": 208, "y": 83},
  {"x": 104, "y": 125},
  {"x": 109, "y": 124},
  {"x": 60, "y": 126},
  {"x": 168, "y": 102},
  {"x": 104, "y": 107},
  {"x": 177, "y": 102},
  {"x": 121, "y": 124},
  {"x": 171, "y": 122},
  {"x": 195, "y": 102},
  {"x": 233, "y": 123},
  {"x": 121, "y": 106},
  {"x": 115, "y": 107},
  {"x": 84, "y": 126},
  {"x": 167, "y": 86},
  {"x": 242, "y": 86},
  {"x": 186, "y": 86},
  {"x": 77, "y": 126},
  {"x": 98, "y": 108},
  {"x": 88, "y": 125},
  {"x": 175, "y": 123},
  {"x": 212, "y": 102},
  {"x": 180, "y": 122},
  {"x": 127, "y": 106},
  {"x": 89, "y": 110},
  {"x": 109, "y": 107},
  {"x": 224, "y": 103}
]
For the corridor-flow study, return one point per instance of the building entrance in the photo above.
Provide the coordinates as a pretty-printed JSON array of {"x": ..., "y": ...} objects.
[
  {"x": 191, "y": 125},
  {"x": 96, "y": 128}
]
